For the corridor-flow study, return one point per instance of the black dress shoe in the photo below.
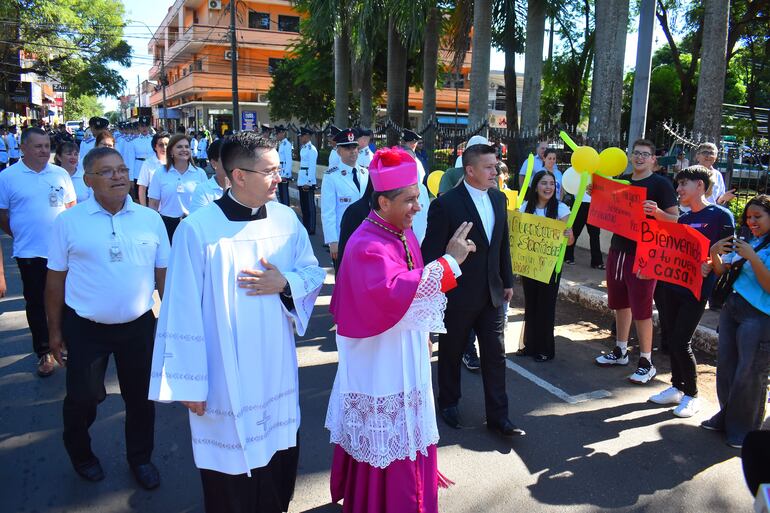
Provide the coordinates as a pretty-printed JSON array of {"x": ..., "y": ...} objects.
[
  {"x": 543, "y": 358},
  {"x": 90, "y": 471},
  {"x": 522, "y": 352},
  {"x": 146, "y": 475},
  {"x": 506, "y": 429},
  {"x": 451, "y": 416}
]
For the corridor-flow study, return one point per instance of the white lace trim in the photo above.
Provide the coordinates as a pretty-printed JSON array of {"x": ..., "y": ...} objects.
[
  {"x": 381, "y": 430},
  {"x": 426, "y": 313}
]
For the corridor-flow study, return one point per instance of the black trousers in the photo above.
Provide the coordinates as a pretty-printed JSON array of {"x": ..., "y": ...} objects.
[
  {"x": 307, "y": 203},
  {"x": 488, "y": 323},
  {"x": 33, "y": 273},
  {"x": 540, "y": 315},
  {"x": 679, "y": 317},
  {"x": 283, "y": 193},
  {"x": 89, "y": 347},
  {"x": 593, "y": 235},
  {"x": 268, "y": 490},
  {"x": 171, "y": 224}
]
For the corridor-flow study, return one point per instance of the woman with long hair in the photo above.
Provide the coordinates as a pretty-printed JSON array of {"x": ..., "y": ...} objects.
[
  {"x": 67, "y": 156},
  {"x": 743, "y": 355},
  {"x": 540, "y": 298},
  {"x": 172, "y": 186},
  {"x": 149, "y": 166}
]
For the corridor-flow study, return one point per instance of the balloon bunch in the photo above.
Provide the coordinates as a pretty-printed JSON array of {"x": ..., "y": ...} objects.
[{"x": 585, "y": 163}]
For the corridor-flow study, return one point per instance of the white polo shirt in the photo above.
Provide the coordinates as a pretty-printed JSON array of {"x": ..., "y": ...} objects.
[
  {"x": 174, "y": 189},
  {"x": 82, "y": 191},
  {"x": 205, "y": 193},
  {"x": 33, "y": 201},
  {"x": 110, "y": 278},
  {"x": 149, "y": 166}
]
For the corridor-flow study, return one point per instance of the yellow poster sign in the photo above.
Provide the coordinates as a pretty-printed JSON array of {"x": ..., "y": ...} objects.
[{"x": 535, "y": 244}]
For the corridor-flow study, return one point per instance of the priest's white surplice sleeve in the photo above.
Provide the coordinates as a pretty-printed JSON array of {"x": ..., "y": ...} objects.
[
  {"x": 305, "y": 281},
  {"x": 179, "y": 369}
]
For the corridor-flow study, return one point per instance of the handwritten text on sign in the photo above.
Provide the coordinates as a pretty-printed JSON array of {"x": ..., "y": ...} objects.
[
  {"x": 673, "y": 253},
  {"x": 535, "y": 244},
  {"x": 617, "y": 207}
]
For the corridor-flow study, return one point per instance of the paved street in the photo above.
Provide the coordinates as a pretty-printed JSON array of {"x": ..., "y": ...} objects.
[{"x": 593, "y": 443}]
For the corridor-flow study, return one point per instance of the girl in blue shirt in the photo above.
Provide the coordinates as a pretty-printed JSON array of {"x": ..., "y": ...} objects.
[{"x": 743, "y": 361}]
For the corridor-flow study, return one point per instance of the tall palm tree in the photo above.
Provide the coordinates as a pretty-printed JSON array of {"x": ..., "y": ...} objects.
[
  {"x": 711, "y": 83},
  {"x": 607, "y": 84},
  {"x": 533, "y": 65},
  {"x": 479, "y": 79},
  {"x": 430, "y": 47}
]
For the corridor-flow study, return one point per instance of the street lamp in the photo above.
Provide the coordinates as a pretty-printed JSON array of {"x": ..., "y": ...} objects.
[{"x": 163, "y": 80}]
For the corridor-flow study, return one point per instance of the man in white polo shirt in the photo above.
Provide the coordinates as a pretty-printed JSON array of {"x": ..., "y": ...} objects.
[
  {"x": 99, "y": 302},
  {"x": 32, "y": 193}
]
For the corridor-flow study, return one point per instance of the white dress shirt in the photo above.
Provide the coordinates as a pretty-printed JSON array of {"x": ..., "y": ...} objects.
[
  {"x": 483, "y": 207},
  {"x": 111, "y": 265}
]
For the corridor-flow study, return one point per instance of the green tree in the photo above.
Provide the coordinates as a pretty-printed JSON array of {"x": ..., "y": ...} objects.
[{"x": 82, "y": 107}]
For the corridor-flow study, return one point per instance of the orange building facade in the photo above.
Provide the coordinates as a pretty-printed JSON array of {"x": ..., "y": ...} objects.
[{"x": 192, "y": 47}]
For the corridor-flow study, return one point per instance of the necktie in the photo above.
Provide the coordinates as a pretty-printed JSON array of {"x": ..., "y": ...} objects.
[{"x": 355, "y": 180}]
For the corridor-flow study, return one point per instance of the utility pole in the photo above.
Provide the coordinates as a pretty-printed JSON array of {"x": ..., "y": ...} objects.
[
  {"x": 234, "y": 59},
  {"x": 642, "y": 73},
  {"x": 138, "y": 92}
]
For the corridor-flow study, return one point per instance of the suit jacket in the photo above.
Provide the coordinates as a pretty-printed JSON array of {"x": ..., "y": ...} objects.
[{"x": 486, "y": 272}]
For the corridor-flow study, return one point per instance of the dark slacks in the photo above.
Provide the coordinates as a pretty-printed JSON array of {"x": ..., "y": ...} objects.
[
  {"x": 593, "y": 236},
  {"x": 171, "y": 224},
  {"x": 283, "y": 193},
  {"x": 679, "y": 317},
  {"x": 33, "y": 273},
  {"x": 307, "y": 203},
  {"x": 268, "y": 490},
  {"x": 488, "y": 323},
  {"x": 540, "y": 315},
  {"x": 89, "y": 347}
]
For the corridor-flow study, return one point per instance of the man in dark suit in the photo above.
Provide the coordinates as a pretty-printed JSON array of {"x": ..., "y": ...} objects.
[{"x": 485, "y": 285}]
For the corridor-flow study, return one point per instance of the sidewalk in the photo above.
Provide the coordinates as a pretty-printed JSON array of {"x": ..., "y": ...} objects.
[{"x": 588, "y": 287}]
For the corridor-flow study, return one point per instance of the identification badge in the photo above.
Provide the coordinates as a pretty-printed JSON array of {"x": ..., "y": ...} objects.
[
  {"x": 180, "y": 187},
  {"x": 116, "y": 255},
  {"x": 344, "y": 172}
]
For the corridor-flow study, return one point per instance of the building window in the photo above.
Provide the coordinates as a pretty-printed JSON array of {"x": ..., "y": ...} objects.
[
  {"x": 288, "y": 23},
  {"x": 259, "y": 20},
  {"x": 272, "y": 64}
]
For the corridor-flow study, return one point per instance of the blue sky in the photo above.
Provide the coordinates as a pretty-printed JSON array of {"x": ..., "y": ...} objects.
[{"x": 151, "y": 14}]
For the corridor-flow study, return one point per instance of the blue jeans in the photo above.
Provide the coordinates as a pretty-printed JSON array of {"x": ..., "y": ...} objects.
[{"x": 743, "y": 363}]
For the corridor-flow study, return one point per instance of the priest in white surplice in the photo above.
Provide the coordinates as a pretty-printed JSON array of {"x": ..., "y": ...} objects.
[
  {"x": 385, "y": 303},
  {"x": 241, "y": 277}
]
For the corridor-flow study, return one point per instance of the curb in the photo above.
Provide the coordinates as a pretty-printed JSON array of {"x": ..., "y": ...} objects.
[{"x": 705, "y": 339}]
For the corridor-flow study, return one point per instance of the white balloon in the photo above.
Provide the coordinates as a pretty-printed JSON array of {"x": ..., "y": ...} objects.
[{"x": 570, "y": 180}]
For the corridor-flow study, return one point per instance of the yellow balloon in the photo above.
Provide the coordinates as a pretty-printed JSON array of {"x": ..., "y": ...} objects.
[
  {"x": 434, "y": 179},
  {"x": 585, "y": 159},
  {"x": 612, "y": 162},
  {"x": 512, "y": 197}
]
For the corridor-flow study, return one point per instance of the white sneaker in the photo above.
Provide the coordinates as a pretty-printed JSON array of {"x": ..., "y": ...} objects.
[
  {"x": 688, "y": 407},
  {"x": 616, "y": 357},
  {"x": 671, "y": 395},
  {"x": 644, "y": 373}
]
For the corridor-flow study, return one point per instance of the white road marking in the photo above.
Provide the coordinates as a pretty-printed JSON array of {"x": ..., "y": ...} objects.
[{"x": 558, "y": 392}]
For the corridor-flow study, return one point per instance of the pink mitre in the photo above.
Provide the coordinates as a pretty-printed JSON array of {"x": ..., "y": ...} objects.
[{"x": 392, "y": 168}]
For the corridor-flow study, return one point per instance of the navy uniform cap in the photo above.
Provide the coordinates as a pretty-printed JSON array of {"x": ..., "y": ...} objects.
[
  {"x": 280, "y": 128},
  {"x": 410, "y": 136},
  {"x": 98, "y": 122},
  {"x": 333, "y": 130},
  {"x": 144, "y": 120},
  {"x": 265, "y": 128},
  {"x": 305, "y": 131},
  {"x": 347, "y": 137},
  {"x": 365, "y": 131}
]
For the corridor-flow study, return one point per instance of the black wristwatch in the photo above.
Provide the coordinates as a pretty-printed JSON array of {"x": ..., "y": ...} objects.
[{"x": 286, "y": 292}]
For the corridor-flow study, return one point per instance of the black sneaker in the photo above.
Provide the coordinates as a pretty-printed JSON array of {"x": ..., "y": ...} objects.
[
  {"x": 616, "y": 357},
  {"x": 471, "y": 362}
]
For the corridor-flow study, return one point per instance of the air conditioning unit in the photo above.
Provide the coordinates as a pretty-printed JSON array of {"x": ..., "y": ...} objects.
[
  {"x": 215, "y": 5},
  {"x": 229, "y": 55}
]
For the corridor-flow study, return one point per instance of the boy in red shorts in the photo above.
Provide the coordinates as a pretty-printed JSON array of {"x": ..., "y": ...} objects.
[{"x": 630, "y": 294}]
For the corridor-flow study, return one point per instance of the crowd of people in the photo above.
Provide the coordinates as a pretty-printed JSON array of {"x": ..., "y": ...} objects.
[{"x": 209, "y": 226}]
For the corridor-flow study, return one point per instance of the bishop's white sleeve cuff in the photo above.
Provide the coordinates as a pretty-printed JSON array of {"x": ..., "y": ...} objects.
[{"x": 453, "y": 265}]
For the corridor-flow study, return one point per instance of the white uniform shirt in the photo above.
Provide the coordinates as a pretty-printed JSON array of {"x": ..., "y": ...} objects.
[
  {"x": 285, "y": 156},
  {"x": 365, "y": 157},
  {"x": 86, "y": 145},
  {"x": 82, "y": 191},
  {"x": 147, "y": 170},
  {"x": 3, "y": 151},
  {"x": 13, "y": 146},
  {"x": 203, "y": 147},
  {"x": 33, "y": 201},
  {"x": 138, "y": 150},
  {"x": 338, "y": 191},
  {"x": 334, "y": 158},
  {"x": 120, "y": 250},
  {"x": 483, "y": 207},
  {"x": 174, "y": 189},
  {"x": 308, "y": 158},
  {"x": 205, "y": 194}
]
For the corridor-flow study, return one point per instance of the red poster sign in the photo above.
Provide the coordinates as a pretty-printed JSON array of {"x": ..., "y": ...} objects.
[
  {"x": 617, "y": 207},
  {"x": 672, "y": 252}
]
